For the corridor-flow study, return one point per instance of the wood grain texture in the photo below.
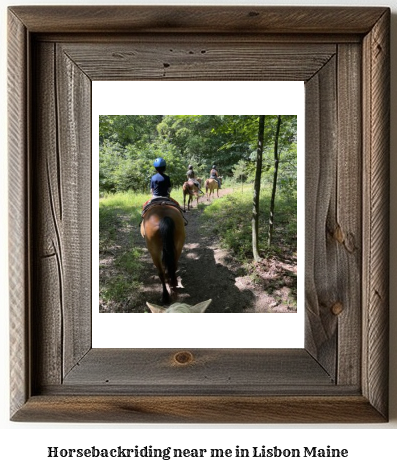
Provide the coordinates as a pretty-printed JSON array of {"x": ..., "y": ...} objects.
[
  {"x": 321, "y": 277},
  {"x": 199, "y": 19},
  {"x": 63, "y": 214},
  {"x": 73, "y": 109},
  {"x": 230, "y": 369},
  {"x": 342, "y": 374},
  {"x": 376, "y": 91},
  {"x": 211, "y": 37},
  {"x": 347, "y": 226},
  {"x": 199, "y": 409},
  {"x": 18, "y": 180},
  {"x": 46, "y": 205},
  {"x": 225, "y": 59}
]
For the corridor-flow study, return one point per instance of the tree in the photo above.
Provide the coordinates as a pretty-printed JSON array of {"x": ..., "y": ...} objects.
[
  {"x": 257, "y": 187},
  {"x": 240, "y": 170},
  {"x": 274, "y": 188},
  {"x": 128, "y": 129}
]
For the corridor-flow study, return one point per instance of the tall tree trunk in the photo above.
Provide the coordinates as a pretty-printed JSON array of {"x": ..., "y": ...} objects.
[
  {"x": 257, "y": 187},
  {"x": 276, "y": 161}
]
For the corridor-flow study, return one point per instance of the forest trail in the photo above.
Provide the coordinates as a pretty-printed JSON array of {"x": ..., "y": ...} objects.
[{"x": 205, "y": 271}]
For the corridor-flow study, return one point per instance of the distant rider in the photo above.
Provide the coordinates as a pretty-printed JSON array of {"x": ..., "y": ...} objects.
[
  {"x": 215, "y": 176},
  {"x": 190, "y": 176}
]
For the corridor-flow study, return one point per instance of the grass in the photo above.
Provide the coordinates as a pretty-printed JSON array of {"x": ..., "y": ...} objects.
[
  {"x": 230, "y": 219},
  {"x": 119, "y": 217},
  {"x": 124, "y": 280}
]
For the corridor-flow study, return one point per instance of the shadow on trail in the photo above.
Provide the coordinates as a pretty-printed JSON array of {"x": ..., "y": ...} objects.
[
  {"x": 205, "y": 274},
  {"x": 203, "y": 278}
]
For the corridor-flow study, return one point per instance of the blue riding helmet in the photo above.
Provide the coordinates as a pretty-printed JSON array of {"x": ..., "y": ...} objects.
[{"x": 159, "y": 162}]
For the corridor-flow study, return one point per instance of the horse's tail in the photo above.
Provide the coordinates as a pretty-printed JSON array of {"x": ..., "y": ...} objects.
[{"x": 167, "y": 230}]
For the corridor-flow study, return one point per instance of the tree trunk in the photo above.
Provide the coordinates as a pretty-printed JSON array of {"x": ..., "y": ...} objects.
[
  {"x": 276, "y": 161},
  {"x": 257, "y": 187}
]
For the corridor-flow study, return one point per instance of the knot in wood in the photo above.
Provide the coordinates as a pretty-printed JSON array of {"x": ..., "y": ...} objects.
[
  {"x": 337, "y": 308},
  {"x": 338, "y": 235},
  {"x": 183, "y": 358}
]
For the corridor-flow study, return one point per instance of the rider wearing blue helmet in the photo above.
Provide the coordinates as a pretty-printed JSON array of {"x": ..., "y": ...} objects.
[
  {"x": 159, "y": 163},
  {"x": 160, "y": 183}
]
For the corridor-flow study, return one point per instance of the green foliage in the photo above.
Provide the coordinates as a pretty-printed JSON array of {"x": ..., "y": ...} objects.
[
  {"x": 128, "y": 129},
  {"x": 230, "y": 219},
  {"x": 243, "y": 171},
  {"x": 125, "y": 278},
  {"x": 130, "y": 143},
  {"x": 118, "y": 214}
]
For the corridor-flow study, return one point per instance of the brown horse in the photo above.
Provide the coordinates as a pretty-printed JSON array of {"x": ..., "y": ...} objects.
[
  {"x": 210, "y": 186},
  {"x": 163, "y": 228},
  {"x": 190, "y": 190}
]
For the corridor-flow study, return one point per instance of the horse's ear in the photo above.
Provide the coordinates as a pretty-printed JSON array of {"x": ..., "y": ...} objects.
[
  {"x": 201, "y": 307},
  {"x": 155, "y": 309}
]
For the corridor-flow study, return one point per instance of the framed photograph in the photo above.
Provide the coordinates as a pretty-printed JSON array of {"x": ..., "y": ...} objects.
[
  {"x": 216, "y": 263},
  {"x": 340, "y": 375}
]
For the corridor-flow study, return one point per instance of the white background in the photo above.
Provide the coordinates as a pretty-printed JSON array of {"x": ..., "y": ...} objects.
[
  {"x": 25, "y": 445},
  {"x": 219, "y": 330}
]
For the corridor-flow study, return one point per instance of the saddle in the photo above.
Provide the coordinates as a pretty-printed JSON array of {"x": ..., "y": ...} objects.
[{"x": 161, "y": 201}]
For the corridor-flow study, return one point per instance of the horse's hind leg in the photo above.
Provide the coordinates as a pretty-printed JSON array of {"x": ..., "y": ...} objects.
[
  {"x": 165, "y": 296},
  {"x": 174, "y": 285},
  {"x": 155, "y": 252}
]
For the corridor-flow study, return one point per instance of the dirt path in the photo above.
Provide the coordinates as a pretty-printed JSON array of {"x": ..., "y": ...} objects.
[{"x": 208, "y": 271}]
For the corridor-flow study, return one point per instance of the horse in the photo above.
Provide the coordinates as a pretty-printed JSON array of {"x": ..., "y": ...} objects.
[
  {"x": 180, "y": 307},
  {"x": 163, "y": 229},
  {"x": 210, "y": 186},
  {"x": 189, "y": 188}
]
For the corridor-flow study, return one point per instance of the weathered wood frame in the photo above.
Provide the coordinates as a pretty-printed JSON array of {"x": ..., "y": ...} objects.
[{"x": 343, "y": 56}]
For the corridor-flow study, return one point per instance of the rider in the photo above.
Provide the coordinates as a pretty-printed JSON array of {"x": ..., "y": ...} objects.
[
  {"x": 160, "y": 183},
  {"x": 215, "y": 176},
  {"x": 190, "y": 176}
]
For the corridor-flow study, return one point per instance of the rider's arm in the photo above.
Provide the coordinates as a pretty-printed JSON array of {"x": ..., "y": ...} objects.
[{"x": 169, "y": 186}]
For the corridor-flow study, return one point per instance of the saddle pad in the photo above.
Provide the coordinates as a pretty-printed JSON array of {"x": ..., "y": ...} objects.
[{"x": 163, "y": 201}]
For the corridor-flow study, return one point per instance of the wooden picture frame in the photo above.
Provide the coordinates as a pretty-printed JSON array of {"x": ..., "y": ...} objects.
[{"x": 342, "y": 54}]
